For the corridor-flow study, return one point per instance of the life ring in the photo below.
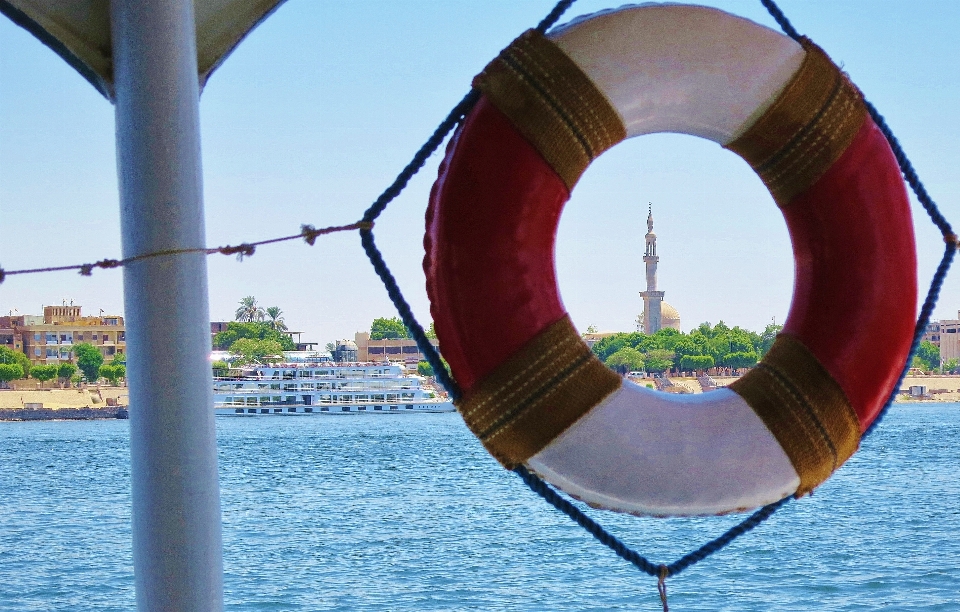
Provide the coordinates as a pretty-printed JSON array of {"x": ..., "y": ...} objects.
[{"x": 533, "y": 392}]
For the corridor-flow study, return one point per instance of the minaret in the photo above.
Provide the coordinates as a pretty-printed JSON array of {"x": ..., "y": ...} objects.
[{"x": 651, "y": 297}]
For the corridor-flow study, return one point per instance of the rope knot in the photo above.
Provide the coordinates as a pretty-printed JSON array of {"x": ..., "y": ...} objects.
[
  {"x": 241, "y": 250},
  {"x": 108, "y": 263},
  {"x": 952, "y": 239},
  {"x": 309, "y": 234},
  {"x": 662, "y": 586},
  {"x": 86, "y": 270}
]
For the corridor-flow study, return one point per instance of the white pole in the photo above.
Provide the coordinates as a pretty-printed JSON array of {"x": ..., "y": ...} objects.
[{"x": 177, "y": 548}]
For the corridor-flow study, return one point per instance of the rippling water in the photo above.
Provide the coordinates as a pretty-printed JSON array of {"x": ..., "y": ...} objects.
[{"x": 407, "y": 513}]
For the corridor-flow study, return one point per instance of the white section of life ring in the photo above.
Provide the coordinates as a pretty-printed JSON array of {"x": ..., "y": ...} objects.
[
  {"x": 679, "y": 68},
  {"x": 712, "y": 448}
]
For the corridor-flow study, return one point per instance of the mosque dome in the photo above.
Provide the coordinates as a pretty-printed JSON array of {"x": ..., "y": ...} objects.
[{"x": 669, "y": 317}]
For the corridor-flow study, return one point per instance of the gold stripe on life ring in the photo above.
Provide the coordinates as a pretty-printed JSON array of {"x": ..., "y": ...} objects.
[
  {"x": 553, "y": 104},
  {"x": 804, "y": 408},
  {"x": 805, "y": 130},
  {"x": 536, "y": 394}
]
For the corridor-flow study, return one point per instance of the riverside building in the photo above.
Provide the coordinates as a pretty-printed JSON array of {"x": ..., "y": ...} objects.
[{"x": 50, "y": 338}]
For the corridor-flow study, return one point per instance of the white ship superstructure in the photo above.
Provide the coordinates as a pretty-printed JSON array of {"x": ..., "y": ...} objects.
[{"x": 324, "y": 388}]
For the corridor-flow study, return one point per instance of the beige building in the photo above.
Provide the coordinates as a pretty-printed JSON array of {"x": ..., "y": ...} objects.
[
  {"x": 50, "y": 339},
  {"x": 403, "y": 349},
  {"x": 949, "y": 339}
]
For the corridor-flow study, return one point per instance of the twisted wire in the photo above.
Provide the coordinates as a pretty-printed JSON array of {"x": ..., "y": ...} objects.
[{"x": 245, "y": 249}]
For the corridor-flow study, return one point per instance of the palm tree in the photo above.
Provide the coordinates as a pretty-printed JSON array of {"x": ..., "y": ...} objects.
[
  {"x": 249, "y": 311},
  {"x": 276, "y": 321}
]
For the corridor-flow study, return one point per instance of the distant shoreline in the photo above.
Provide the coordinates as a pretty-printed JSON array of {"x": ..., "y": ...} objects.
[
  {"x": 63, "y": 404},
  {"x": 81, "y": 404}
]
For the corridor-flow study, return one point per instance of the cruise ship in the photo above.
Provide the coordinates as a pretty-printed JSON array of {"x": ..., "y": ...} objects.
[{"x": 324, "y": 388}]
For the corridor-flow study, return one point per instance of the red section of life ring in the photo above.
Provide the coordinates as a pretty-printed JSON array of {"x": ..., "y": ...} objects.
[
  {"x": 491, "y": 227},
  {"x": 855, "y": 285}
]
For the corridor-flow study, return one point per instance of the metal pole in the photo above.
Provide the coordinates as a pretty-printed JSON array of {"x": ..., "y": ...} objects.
[{"x": 177, "y": 548}]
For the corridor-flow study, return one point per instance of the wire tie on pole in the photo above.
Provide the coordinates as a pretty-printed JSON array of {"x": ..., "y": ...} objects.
[
  {"x": 3, "y": 275},
  {"x": 662, "y": 586}
]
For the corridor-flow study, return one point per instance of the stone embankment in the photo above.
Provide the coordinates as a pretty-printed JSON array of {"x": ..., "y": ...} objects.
[{"x": 64, "y": 414}]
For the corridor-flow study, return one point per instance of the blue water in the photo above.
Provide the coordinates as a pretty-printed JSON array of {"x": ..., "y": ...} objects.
[{"x": 408, "y": 513}]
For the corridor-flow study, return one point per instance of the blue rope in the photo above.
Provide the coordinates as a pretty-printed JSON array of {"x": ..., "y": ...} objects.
[
  {"x": 535, "y": 483},
  {"x": 622, "y": 550}
]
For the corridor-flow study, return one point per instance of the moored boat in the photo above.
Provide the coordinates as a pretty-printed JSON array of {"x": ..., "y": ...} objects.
[{"x": 324, "y": 388}]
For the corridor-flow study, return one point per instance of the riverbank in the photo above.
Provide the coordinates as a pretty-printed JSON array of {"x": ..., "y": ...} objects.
[
  {"x": 15, "y": 399},
  {"x": 940, "y": 388}
]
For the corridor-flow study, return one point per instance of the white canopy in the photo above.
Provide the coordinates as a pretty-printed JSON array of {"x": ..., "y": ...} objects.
[{"x": 79, "y": 31}]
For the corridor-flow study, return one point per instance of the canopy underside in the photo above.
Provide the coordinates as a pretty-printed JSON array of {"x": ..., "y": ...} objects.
[{"x": 79, "y": 31}]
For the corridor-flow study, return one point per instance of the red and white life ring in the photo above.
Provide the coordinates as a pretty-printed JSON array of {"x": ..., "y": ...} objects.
[{"x": 535, "y": 395}]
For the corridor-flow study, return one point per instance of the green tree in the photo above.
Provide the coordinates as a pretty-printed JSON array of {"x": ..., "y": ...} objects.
[
  {"x": 10, "y": 371},
  {"x": 929, "y": 353},
  {"x": 740, "y": 359},
  {"x": 627, "y": 359},
  {"x": 431, "y": 331},
  {"x": 43, "y": 373},
  {"x": 249, "y": 311},
  {"x": 89, "y": 360},
  {"x": 257, "y": 351},
  {"x": 388, "y": 329},
  {"x": 11, "y": 356},
  {"x": 275, "y": 319},
  {"x": 694, "y": 363},
  {"x": 220, "y": 368},
  {"x": 65, "y": 372},
  {"x": 952, "y": 366},
  {"x": 768, "y": 336},
  {"x": 119, "y": 359},
  {"x": 113, "y": 373},
  {"x": 424, "y": 368},
  {"x": 253, "y": 331},
  {"x": 658, "y": 360}
]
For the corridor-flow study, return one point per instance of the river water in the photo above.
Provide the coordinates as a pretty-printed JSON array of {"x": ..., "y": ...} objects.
[{"x": 407, "y": 512}]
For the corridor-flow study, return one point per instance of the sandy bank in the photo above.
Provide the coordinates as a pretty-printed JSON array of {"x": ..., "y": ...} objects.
[
  {"x": 62, "y": 398},
  {"x": 940, "y": 388}
]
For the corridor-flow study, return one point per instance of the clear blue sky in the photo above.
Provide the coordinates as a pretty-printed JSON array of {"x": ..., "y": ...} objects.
[{"x": 318, "y": 109}]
